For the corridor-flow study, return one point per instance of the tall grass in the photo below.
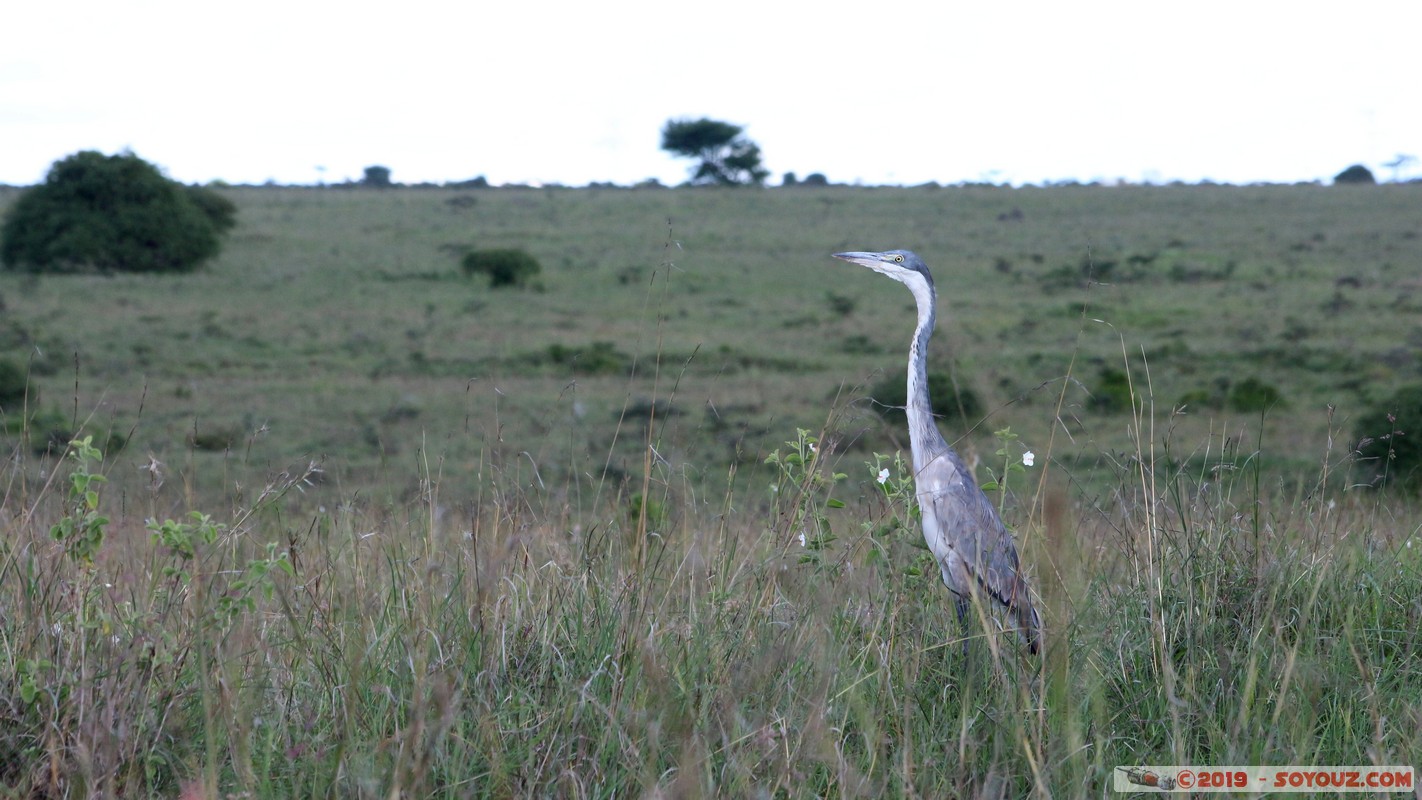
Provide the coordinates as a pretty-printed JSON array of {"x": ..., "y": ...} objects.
[{"x": 685, "y": 643}]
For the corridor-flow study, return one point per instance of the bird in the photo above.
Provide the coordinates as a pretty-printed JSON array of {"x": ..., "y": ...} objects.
[{"x": 962, "y": 528}]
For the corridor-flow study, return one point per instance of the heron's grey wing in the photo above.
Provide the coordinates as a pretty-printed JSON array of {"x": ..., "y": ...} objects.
[
  {"x": 970, "y": 524},
  {"x": 976, "y": 545}
]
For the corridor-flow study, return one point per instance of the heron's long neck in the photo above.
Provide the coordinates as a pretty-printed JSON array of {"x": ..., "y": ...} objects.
[{"x": 927, "y": 442}]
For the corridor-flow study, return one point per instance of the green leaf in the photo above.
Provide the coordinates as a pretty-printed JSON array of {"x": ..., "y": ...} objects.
[{"x": 833, "y": 503}]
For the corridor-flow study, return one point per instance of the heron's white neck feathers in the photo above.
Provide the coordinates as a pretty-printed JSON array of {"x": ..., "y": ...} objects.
[{"x": 926, "y": 440}]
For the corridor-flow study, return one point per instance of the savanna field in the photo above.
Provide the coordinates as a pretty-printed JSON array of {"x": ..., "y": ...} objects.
[{"x": 342, "y": 521}]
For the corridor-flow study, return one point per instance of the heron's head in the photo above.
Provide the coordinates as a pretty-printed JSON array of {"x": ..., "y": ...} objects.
[{"x": 903, "y": 266}]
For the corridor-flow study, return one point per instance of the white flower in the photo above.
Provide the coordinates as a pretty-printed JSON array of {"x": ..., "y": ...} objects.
[
  {"x": 1028, "y": 457},
  {"x": 802, "y": 538},
  {"x": 814, "y": 449},
  {"x": 883, "y": 475}
]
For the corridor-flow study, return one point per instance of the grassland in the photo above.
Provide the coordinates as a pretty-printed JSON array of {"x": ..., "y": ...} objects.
[
  {"x": 503, "y": 543},
  {"x": 337, "y": 328}
]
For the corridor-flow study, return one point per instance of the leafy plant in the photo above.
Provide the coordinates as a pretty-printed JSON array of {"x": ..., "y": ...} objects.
[
  {"x": 1013, "y": 462},
  {"x": 186, "y": 541},
  {"x": 81, "y": 529},
  {"x": 801, "y": 492},
  {"x": 894, "y": 477},
  {"x": 182, "y": 539}
]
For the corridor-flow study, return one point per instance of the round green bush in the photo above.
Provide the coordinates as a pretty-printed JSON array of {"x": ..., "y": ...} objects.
[
  {"x": 1112, "y": 393},
  {"x": 1390, "y": 440},
  {"x": 505, "y": 267},
  {"x": 12, "y": 385},
  {"x": 950, "y": 402},
  {"x": 1254, "y": 395},
  {"x": 220, "y": 211},
  {"x": 112, "y": 214}
]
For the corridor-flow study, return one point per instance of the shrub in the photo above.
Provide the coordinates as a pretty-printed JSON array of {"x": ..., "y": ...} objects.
[
  {"x": 504, "y": 267},
  {"x": 1212, "y": 398},
  {"x": 12, "y": 385},
  {"x": 859, "y": 344},
  {"x": 48, "y": 429},
  {"x": 841, "y": 304},
  {"x": 220, "y": 211},
  {"x": 598, "y": 358},
  {"x": 216, "y": 438},
  {"x": 112, "y": 213},
  {"x": 950, "y": 401},
  {"x": 1112, "y": 394},
  {"x": 1197, "y": 399},
  {"x": 1252, "y": 394},
  {"x": 1390, "y": 440},
  {"x": 657, "y": 514}
]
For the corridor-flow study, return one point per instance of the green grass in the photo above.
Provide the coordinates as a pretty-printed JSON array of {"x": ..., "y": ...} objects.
[
  {"x": 337, "y": 325},
  {"x": 525, "y": 562}
]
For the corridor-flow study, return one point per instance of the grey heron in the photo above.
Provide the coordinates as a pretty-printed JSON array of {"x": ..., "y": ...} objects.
[{"x": 973, "y": 548}]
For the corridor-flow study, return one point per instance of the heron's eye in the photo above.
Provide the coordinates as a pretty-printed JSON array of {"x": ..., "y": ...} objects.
[{"x": 898, "y": 259}]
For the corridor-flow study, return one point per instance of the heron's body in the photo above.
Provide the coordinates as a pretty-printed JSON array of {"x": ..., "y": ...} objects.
[{"x": 973, "y": 548}]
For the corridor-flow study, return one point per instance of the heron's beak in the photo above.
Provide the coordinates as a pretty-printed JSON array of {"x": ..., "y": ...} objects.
[{"x": 870, "y": 260}]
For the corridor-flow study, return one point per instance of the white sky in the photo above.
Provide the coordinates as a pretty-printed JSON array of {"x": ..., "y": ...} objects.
[{"x": 572, "y": 92}]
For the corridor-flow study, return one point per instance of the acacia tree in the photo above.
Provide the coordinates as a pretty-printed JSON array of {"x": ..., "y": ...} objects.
[{"x": 725, "y": 157}]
